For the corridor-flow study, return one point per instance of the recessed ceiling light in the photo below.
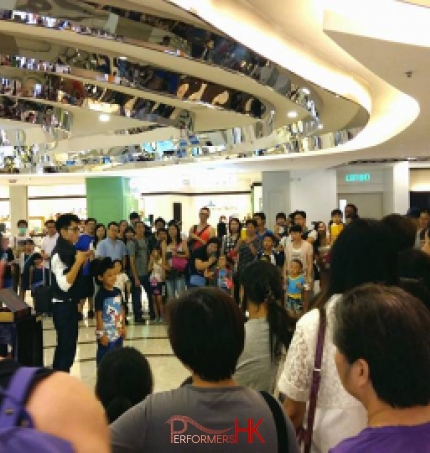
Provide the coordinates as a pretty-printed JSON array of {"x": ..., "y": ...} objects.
[
  {"x": 122, "y": 58},
  {"x": 292, "y": 114},
  {"x": 306, "y": 91},
  {"x": 320, "y": 126},
  {"x": 104, "y": 117}
]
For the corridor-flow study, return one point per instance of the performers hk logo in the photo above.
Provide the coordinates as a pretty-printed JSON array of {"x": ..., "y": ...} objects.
[{"x": 179, "y": 426}]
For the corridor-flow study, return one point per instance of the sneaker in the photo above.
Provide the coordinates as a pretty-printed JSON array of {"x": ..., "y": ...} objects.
[
  {"x": 126, "y": 322},
  {"x": 140, "y": 320},
  {"x": 90, "y": 314}
]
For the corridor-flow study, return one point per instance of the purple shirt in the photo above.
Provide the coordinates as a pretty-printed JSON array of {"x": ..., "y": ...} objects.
[{"x": 388, "y": 439}]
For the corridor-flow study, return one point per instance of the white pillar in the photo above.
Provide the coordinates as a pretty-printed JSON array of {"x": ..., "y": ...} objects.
[
  {"x": 18, "y": 201},
  {"x": 276, "y": 194},
  {"x": 401, "y": 175},
  {"x": 313, "y": 191}
]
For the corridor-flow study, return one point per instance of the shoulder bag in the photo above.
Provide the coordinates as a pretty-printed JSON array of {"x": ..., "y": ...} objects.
[
  {"x": 306, "y": 435},
  {"x": 179, "y": 263}
]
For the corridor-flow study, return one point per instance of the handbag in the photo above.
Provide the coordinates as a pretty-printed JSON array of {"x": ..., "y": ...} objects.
[
  {"x": 42, "y": 296},
  {"x": 179, "y": 263},
  {"x": 306, "y": 434}
]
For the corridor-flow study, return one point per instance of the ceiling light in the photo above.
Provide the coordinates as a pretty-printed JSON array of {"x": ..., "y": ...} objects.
[
  {"x": 122, "y": 58},
  {"x": 306, "y": 91},
  {"x": 104, "y": 117},
  {"x": 292, "y": 114},
  {"x": 320, "y": 126}
]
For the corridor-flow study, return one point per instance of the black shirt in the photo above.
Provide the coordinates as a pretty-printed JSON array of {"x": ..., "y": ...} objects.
[{"x": 199, "y": 254}]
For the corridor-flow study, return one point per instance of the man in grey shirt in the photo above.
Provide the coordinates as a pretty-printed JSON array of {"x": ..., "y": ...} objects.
[
  {"x": 213, "y": 414},
  {"x": 138, "y": 252}
]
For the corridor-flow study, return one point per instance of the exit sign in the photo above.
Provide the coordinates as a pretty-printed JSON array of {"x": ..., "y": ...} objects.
[{"x": 357, "y": 177}]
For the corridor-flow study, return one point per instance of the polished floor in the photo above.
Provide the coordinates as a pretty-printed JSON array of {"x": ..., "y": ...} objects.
[{"x": 151, "y": 340}]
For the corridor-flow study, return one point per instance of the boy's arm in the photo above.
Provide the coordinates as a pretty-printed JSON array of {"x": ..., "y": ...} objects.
[{"x": 31, "y": 276}]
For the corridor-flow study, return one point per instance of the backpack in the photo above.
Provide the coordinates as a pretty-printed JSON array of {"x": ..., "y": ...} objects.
[{"x": 15, "y": 437}]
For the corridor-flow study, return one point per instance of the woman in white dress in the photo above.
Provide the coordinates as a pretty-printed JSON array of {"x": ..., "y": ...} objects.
[{"x": 363, "y": 253}]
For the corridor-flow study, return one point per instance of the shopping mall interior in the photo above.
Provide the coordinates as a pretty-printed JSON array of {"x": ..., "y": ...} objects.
[{"x": 165, "y": 108}]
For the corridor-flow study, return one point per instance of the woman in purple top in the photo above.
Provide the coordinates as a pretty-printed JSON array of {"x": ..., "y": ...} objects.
[{"x": 382, "y": 337}]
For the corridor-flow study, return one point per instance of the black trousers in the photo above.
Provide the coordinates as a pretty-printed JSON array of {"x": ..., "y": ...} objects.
[{"x": 65, "y": 316}]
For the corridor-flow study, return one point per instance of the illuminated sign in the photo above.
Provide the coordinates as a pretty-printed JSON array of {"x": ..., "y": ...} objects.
[{"x": 357, "y": 177}]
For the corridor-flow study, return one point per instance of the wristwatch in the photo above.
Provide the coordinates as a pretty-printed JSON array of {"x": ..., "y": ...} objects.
[{"x": 99, "y": 334}]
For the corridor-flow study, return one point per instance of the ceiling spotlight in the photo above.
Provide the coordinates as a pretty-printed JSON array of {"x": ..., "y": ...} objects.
[
  {"x": 292, "y": 114},
  {"x": 306, "y": 91},
  {"x": 104, "y": 117},
  {"x": 122, "y": 58},
  {"x": 320, "y": 126}
]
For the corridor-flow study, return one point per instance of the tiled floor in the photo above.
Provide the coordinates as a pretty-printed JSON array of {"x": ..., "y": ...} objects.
[{"x": 151, "y": 340}]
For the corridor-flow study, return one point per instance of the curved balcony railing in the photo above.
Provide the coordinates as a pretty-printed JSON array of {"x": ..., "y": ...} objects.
[{"x": 218, "y": 51}]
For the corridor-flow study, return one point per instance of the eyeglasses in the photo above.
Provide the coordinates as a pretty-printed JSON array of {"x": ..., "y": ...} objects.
[{"x": 74, "y": 229}]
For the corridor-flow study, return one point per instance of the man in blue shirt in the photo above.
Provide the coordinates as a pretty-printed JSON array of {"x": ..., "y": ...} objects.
[
  {"x": 111, "y": 247},
  {"x": 84, "y": 244},
  {"x": 262, "y": 231}
]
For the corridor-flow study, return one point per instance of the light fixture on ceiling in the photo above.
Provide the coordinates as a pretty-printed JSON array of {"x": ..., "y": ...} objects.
[
  {"x": 320, "y": 126},
  {"x": 104, "y": 117},
  {"x": 292, "y": 114},
  {"x": 306, "y": 90},
  {"x": 122, "y": 58}
]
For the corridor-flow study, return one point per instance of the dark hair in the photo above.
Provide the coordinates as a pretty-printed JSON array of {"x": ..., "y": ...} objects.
[
  {"x": 90, "y": 219},
  {"x": 261, "y": 215},
  {"x": 161, "y": 230},
  {"x": 414, "y": 274},
  {"x": 50, "y": 221},
  {"x": 281, "y": 215},
  {"x": 354, "y": 208},
  {"x": 262, "y": 283},
  {"x": 234, "y": 219},
  {"x": 425, "y": 211},
  {"x": 389, "y": 329},
  {"x": 140, "y": 222},
  {"x": 300, "y": 213},
  {"x": 22, "y": 222},
  {"x": 117, "y": 261},
  {"x": 99, "y": 266},
  {"x": 205, "y": 208},
  {"x": 336, "y": 212},
  {"x": 402, "y": 229},
  {"x": 134, "y": 215},
  {"x": 178, "y": 234},
  {"x": 160, "y": 219},
  {"x": 295, "y": 260},
  {"x": 36, "y": 256},
  {"x": 96, "y": 239},
  {"x": 113, "y": 223},
  {"x": 124, "y": 379},
  {"x": 271, "y": 236},
  {"x": 296, "y": 229},
  {"x": 128, "y": 230},
  {"x": 206, "y": 331},
  {"x": 221, "y": 229},
  {"x": 251, "y": 221},
  {"x": 363, "y": 253},
  {"x": 65, "y": 220},
  {"x": 29, "y": 241}
]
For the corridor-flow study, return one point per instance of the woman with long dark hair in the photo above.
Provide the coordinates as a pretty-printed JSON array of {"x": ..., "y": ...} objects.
[
  {"x": 363, "y": 253},
  {"x": 175, "y": 255},
  {"x": 228, "y": 245},
  {"x": 268, "y": 331},
  {"x": 100, "y": 233}
]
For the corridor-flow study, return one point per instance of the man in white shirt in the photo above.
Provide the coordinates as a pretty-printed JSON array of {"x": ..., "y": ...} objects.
[{"x": 49, "y": 241}]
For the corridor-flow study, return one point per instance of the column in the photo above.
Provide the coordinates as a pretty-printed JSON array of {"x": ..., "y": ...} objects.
[
  {"x": 313, "y": 191},
  {"x": 109, "y": 198},
  {"x": 18, "y": 206}
]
